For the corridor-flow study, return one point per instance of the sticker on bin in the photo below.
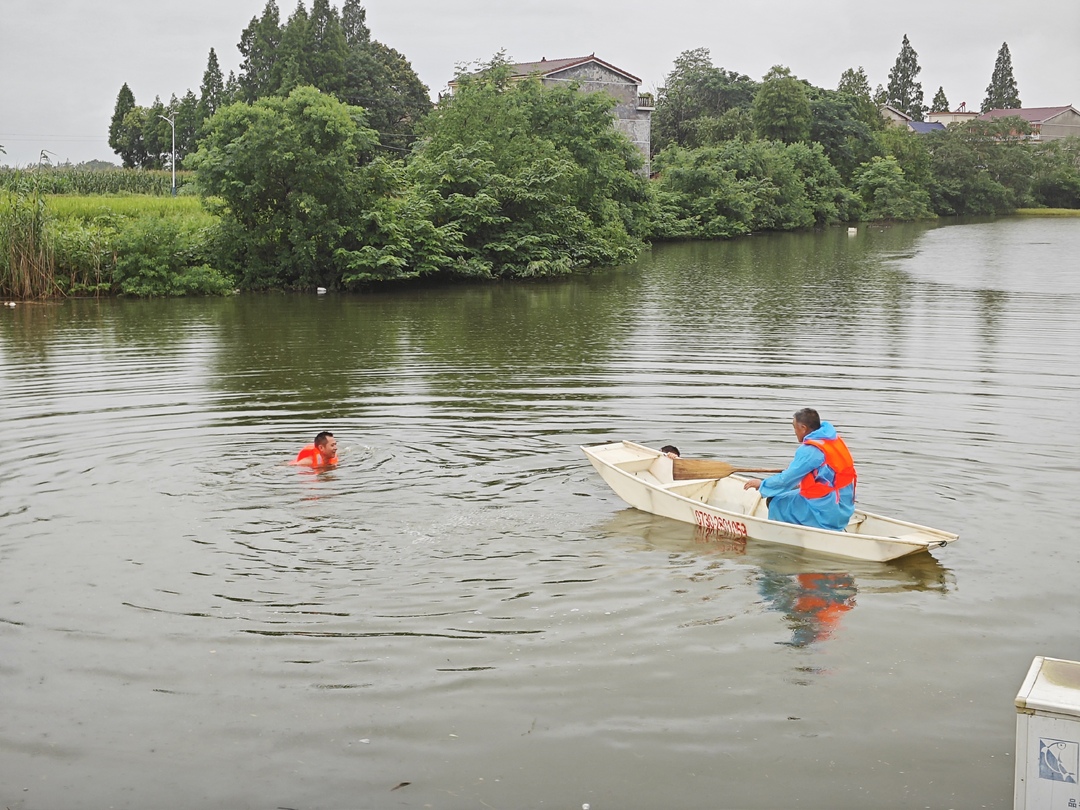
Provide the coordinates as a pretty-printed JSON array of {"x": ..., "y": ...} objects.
[{"x": 1059, "y": 760}]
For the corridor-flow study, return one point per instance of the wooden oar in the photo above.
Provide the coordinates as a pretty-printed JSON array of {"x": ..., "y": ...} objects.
[{"x": 686, "y": 468}]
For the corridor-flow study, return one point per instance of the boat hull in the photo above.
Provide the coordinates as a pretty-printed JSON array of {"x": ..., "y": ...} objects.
[{"x": 642, "y": 477}]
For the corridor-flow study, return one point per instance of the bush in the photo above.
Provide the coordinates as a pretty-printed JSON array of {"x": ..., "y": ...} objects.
[{"x": 160, "y": 258}]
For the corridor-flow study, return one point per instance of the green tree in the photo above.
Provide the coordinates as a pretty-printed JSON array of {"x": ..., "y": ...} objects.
[
  {"x": 838, "y": 125},
  {"x": 782, "y": 107},
  {"x": 855, "y": 85},
  {"x": 910, "y": 152},
  {"x": 940, "y": 102},
  {"x": 122, "y": 140},
  {"x": 740, "y": 187},
  {"x": 981, "y": 167},
  {"x": 185, "y": 113},
  {"x": 1056, "y": 179},
  {"x": 260, "y": 73},
  {"x": 536, "y": 180},
  {"x": 290, "y": 174},
  {"x": 294, "y": 58},
  {"x": 354, "y": 23},
  {"x": 383, "y": 82},
  {"x": 212, "y": 89},
  {"x": 1002, "y": 93},
  {"x": 701, "y": 103},
  {"x": 330, "y": 50},
  {"x": 888, "y": 194},
  {"x": 905, "y": 91},
  {"x": 156, "y": 135}
]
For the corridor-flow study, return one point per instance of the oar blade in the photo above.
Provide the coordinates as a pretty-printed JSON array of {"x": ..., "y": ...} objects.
[{"x": 686, "y": 468}]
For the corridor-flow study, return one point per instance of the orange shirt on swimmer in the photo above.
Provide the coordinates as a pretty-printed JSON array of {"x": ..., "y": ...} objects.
[{"x": 320, "y": 453}]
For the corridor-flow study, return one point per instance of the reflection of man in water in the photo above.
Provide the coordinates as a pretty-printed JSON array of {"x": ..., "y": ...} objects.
[{"x": 813, "y": 602}]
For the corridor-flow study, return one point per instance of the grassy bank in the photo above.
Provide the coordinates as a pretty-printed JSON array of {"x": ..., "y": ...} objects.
[
  {"x": 54, "y": 246},
  {"x": 1048, "y": 212}
]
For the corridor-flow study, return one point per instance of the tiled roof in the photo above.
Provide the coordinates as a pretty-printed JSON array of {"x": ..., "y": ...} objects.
[
  {"x": 548, "y": 66},
  {"x": 1033, "y": 115},
  {"x": 923, "y": 127}
]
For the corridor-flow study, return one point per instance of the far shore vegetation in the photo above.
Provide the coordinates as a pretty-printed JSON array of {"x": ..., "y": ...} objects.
[{"x": 324, "y": 164}]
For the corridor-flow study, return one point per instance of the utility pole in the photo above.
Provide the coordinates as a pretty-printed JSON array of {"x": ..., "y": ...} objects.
[{"x": 172, "y": 124}]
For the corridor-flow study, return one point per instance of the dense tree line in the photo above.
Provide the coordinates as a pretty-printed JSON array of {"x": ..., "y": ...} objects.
[
  {"x": 509, "y": 178},
  {"x": 736, "y": 156}
]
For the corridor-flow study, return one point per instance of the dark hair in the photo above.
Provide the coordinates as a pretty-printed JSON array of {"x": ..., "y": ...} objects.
[
  {"x": 670, "y": 448},
  {"x": 322, "y": 437},
  {"x": 808, "y": 417}
]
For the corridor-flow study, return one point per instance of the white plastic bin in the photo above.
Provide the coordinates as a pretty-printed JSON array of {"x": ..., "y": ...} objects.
[{"x": 1048, "y": 737}]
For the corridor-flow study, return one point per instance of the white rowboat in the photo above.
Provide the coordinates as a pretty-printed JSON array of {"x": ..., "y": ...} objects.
[{"x": 642, "y": 477}]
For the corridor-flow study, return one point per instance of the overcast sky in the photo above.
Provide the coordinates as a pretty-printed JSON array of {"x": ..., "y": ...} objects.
[{"x": 62, "y": 62}]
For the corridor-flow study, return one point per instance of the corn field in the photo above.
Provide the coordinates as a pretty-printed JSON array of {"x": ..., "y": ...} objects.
[{"x": 64, "y": 180}]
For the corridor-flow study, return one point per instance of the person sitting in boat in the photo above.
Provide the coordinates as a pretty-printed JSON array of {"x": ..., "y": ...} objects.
[
  {"x": 670, "y": 450},
  {"x": 818, "y": 486},
  {"x": 320, "y": 453}
]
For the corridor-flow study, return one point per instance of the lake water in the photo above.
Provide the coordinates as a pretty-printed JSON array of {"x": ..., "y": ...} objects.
[{"x": 461, "y": 615}]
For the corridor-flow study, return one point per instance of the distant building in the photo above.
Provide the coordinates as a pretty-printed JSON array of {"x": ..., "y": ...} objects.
[
  {"x": 957, "y": 116},
  {"x": 893, "y": 116},
  {"x": 897, "y": 118},
  {"x": 1047, "y": 123},
  {"x": 633, "y": 109}
]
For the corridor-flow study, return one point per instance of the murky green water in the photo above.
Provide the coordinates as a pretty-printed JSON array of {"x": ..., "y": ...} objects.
[{"x": 186, "y": 621}]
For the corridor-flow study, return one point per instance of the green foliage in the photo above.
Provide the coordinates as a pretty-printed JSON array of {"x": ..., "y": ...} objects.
[
  {"x": 981, "y": 167},
  {"x": 260, "y": 74},
  {"x": 290, "y": 177},
  {"x": 888, "y": 194},
  {"x": 335, "y": 53},
  {"x": 122, "y": 137},
  {"x": 159, "y": 257},
  {"x": 1002, "y": 93},
  {"x": 546, "y": 184},
  {"x": 781, "y": 107},
  {"x": 701, "y": 104},
  {"x": 741, "y": 187},
  {"x": 212, "y": 89},
  {"x": 838, "y": 125},
  {"x": 940, "y": 102},
  {"x": 1056, "y": 180},
  {"x": 26, "y": 252},
  {"x": 905, "y": 91},
  {"x": 855, "y": 86},
  {"x": 57, "y": 246},
  {"x": 911, "y": 154},
  {"x": 382, "y": 81},
  {"x": 303, "y": 203}
]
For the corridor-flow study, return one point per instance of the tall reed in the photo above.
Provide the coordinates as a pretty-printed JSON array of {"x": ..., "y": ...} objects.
[{"x": 27, "y": 265}]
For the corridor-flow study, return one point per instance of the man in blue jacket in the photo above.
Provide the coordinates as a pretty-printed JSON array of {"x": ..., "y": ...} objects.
[{"x": 818, "y": 486}]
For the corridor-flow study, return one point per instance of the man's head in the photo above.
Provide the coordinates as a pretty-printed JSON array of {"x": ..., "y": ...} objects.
[
  {"x": 806, "y": 421},
  {"x": 326, "y": 444},
  {"x": 670, "y": 450}
]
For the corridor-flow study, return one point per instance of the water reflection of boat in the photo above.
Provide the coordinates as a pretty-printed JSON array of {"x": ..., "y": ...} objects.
[
  {"x": 642, "y": 477},
  {"x": 917, "y": 572}
]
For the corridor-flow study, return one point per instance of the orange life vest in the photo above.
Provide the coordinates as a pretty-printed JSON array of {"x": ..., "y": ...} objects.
[
  {"x": 838, "y": 459},
  {"x": 311, "y": 455}
]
